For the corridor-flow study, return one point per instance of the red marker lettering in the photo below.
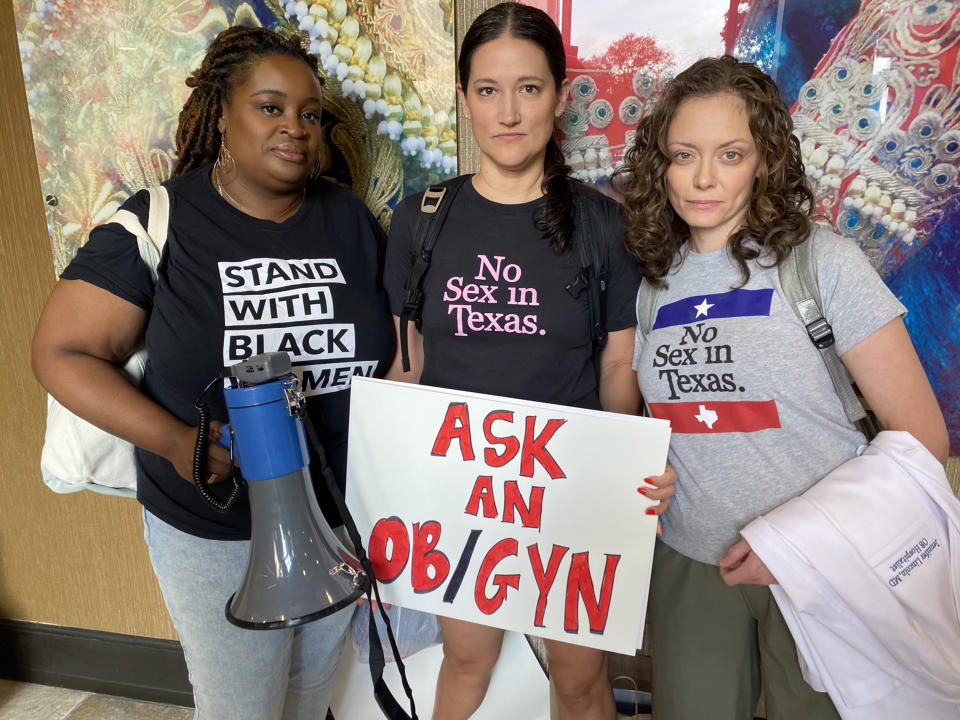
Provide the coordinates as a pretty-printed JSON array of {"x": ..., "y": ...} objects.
[
  {"x": 535, "y": 448},
  {"x": 489, "y": 605},
  {"x": 580, "y": 584},
  {"x": 388, "y": 532},
  {"x": 511, "y": 446},
  {"x": 482, "y": 493},
  {"x": 544, "y": 578},
  {"x": 513, "y": 500},
  {"x": 456, "y": 424},
  {"x": 425, "y": 539}
]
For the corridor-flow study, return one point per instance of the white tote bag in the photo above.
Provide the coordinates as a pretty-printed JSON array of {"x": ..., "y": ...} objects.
[{"x": 80, "y": 456}]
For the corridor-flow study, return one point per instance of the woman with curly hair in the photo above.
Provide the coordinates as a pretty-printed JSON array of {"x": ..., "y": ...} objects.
[
  {"x": 716, "y": 199},
  {"x": 250, "y": 227}
]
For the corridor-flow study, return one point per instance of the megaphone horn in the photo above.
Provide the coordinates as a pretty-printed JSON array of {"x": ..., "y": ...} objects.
[{"x": 298, "y": 570}]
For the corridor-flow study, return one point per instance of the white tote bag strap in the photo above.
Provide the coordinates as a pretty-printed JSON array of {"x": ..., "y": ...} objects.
[
  {"x": 159, "y": 218},
  {"x": 151, "y": 240}
]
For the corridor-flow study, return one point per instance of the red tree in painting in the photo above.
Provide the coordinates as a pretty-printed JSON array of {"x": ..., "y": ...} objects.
[{"x": 629, "y": 53}]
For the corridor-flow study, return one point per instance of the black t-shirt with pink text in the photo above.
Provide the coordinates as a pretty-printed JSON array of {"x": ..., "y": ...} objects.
[{"x": 497, "y": 318}]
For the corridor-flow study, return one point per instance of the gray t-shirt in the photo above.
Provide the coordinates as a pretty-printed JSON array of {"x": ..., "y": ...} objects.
[{"x": 755, "y": 418}]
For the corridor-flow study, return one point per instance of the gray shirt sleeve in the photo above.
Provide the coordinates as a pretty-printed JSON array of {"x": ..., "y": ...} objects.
[{"x": 856, "y": 301}]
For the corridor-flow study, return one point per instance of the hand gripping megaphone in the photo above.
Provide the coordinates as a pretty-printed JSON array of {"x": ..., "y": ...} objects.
[{"x": 298, "y": 570}]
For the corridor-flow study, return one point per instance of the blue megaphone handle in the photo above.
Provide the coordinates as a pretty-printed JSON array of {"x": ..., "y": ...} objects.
[{"x": 268, "y": 440}]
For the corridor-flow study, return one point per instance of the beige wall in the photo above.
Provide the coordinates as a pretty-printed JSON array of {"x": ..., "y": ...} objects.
[
  {"x": 468, "y": 154},
  {"x": 75, "y": 560}
]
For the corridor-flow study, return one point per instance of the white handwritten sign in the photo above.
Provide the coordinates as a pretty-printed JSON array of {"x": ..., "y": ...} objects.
[{"x": 520, "y": 515}]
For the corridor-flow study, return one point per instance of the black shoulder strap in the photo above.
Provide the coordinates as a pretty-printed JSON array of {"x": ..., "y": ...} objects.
[
  {"x": 434, "y": 207},
  {"x": 594, "y": 256}
]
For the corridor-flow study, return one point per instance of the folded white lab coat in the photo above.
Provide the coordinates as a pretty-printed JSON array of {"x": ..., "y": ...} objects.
[{"x": 868, "y": 566}]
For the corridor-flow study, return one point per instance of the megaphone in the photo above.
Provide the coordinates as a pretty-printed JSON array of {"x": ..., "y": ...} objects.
[{"x": 298, "y": 570}]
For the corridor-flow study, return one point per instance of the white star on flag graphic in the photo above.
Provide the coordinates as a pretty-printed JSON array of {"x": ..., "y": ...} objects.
[{"x": 703, "y": 307}]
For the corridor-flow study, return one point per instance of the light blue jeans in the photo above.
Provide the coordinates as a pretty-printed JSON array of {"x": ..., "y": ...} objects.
[{"x": 240, "y": 674}]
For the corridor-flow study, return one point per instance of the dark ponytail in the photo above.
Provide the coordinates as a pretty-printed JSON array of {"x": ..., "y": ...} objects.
[{"x": 555, "y": 219}]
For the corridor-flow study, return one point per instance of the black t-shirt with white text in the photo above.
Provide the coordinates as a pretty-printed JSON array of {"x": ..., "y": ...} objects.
[
  {"x": 231, "y": 286},
  {"x": 497, "y": 318}
]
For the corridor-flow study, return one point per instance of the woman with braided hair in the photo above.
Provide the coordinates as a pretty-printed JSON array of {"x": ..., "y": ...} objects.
[
  {"x": 520, "y": 208},
  {"x": 260, "y": 256}
]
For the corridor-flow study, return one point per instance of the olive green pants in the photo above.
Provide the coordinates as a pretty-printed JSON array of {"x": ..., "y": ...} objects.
[{"x": 714, "y": 645}]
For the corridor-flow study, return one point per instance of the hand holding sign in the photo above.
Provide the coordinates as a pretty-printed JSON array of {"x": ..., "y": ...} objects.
[
  {"x": 514, "y": 514},
  {"x": 660, "y": 487}
]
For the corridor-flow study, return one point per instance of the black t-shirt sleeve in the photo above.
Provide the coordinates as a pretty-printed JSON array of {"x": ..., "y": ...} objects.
[
  {"x": 111, "y": 258},
  {"x": 374, "y": 239},
  {"x": 623, "y": 274},
  {"x": 400, "y": 251},
  {"x": 381, "y": 246}
]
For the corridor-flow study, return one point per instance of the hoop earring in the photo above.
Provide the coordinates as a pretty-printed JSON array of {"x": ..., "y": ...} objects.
[{"x": 224, "y": 157}]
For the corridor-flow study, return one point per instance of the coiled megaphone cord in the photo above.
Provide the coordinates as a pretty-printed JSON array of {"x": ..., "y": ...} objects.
[{"x": 200, "y": 460}]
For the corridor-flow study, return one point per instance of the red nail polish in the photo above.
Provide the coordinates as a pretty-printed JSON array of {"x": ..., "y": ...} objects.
[
  {"x": 649, "y": 481},
  {"x": 642, "y": 491},
  {"x": 651, "y": 511}
]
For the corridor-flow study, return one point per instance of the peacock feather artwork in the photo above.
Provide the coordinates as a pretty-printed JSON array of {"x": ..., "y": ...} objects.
[{"x": 874, "y": 92}]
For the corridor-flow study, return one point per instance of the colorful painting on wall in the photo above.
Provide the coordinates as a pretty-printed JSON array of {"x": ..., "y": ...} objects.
[
  {"x": 874, "y": 90},
  {"x": 105, "y": 84},
  {"x": 873, "y": 86}
]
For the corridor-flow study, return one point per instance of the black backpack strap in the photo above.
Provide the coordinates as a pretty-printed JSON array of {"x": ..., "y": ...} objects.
[
  {"x": 594, "y": 267},
  {"x": 434, "y": 208}
]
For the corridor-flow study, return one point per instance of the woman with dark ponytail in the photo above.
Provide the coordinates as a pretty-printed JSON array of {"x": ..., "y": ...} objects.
[
  {"x": 250, "y": 225},
  {"x": 512, "y": 228}
]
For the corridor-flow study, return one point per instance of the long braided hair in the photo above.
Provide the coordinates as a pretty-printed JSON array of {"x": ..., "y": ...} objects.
[
  {"x": 227, "y": 63},
  {"x": 555, "y": 219}
]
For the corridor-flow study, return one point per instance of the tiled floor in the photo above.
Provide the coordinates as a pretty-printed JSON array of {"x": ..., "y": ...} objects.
[{"x": 23, "y": 701}]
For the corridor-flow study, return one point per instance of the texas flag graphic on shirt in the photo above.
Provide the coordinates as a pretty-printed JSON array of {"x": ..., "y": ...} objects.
[
  {"x": 736, "y": 303},
  {"x": 694, "y": 365}
]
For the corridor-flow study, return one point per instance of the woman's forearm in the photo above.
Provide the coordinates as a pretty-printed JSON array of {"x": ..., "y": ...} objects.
[{"x": 100, "y": 393}]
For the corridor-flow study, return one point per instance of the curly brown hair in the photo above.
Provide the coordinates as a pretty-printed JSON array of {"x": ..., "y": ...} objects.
[
  {"x": 778, "y": 216},
  {"x": 227, "y": 63}
]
